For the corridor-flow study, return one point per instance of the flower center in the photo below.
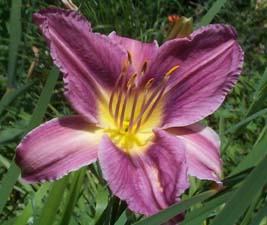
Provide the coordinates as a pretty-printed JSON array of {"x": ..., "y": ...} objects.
[{"x": 133, "y": 111}]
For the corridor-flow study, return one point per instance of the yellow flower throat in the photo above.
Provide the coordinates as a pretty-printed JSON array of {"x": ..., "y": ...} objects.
[{"x": 130, "y": 113}]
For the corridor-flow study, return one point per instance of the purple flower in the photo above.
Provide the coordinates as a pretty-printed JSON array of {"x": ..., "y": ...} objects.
[{"x": 138, "y": 105}]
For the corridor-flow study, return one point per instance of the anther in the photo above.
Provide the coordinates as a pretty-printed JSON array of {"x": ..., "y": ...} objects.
[
  {"x": 124, "y": 67},
  {"x": 130, "y": 86},
  {"x": 171, "y": 71},
  {"x": 130, "y": 58},
  {"x": 144, "y": 67},
  {"x": 149, "y": 83},
  {"x": 131, "y": 80}
]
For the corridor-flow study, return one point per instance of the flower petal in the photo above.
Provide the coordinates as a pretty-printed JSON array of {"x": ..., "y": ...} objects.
[
  {"x": 210, "y": 61},
  {"x": 139, "y": 52},
  {"x": 56, "y": 148},
  {"x": 89, "y": 61},
  {"x": 148, "y": 182},
  {"x": 202, "y": 146}
]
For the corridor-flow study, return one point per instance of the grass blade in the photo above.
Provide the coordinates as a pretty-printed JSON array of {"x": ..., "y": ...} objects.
[
  {"x": 236, "y": 206},
  {"x": 173, "y": 210},
  {"x": 8, "y": 183},
  {"x": 10, "y": 178},
  {"x": 239, "y": 125},
  {"x": 9, "y": 134},
  {"x": 11, "y": 94},
  {"x": 253, "y": 157},
  {"x": 28, "y": 211},
  {"x": 53, "y": 201},
  {"x": 101, "y": 201},
  {"x": 15, "y": 36},
  {"x": 260, "y": 215},
  {"x": 191, "y": 217},
  {"x": 122, "y": 219},
  {"x": 44, "y": 99},
  {"x": 73, "y": 194},
  {"x": 215, "y": 8},
  {"x": 9, "y": 222},
  {"x": 255, "y": 109},
  {"x": 260, "y": 95}
]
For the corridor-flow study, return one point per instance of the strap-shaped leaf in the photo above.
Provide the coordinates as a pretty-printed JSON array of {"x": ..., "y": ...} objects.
[
  {"x": 11, "y": 176},
  {"x": 243, "y": 197},
  {"x": 175, "y": 209}
]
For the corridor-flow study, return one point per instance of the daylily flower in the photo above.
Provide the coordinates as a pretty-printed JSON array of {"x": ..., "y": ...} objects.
[{"x": 138, "y": 107}]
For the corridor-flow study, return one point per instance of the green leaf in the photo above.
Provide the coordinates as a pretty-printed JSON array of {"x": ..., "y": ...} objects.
[
  {"x": 28, "y": 211},
  {"x": 245, "y": 121},
  {"x": 11, "y": 176},
  {"x": 101, "y": 201},
  {"x": 253, "y": 158},
  {"x": 73, "y": 194},
  {"x": 253, "y": 205},
  {"x": 172, "y": 211},
  {"x": 9, "y": 222},
  {"x": 15, "y": 36},
  {"x": 8, "y": 183},
  {"x": 44, "y": 99},
  {"x": 9, "y": 134},
  {"x": 52, "y": 203},
  {"x": 242, "y": 198},
  {"x": 259, "y": 96},
  {"x": 260, "y": 215},
  {"x": 199, "y": 214},
  {"x": 11, "y": 94},
  {"x": 4, "y": 161},
  {"x": 213, "y": 11},
  {"x": 122, "y": 219}
]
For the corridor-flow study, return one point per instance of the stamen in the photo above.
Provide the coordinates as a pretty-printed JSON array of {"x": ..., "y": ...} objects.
[
  {"x": 136, "y": 94},
  {"x": 163, "y": 85},
  {"x": 146, "y": 104},
  {"x": 112, "y": 95},
  {"x": 144, "y": 67},
  {"x": 147, "y": 86},
  {"x": 123, "y": 72},
  {"x": 149, "y": 82},
  {"x": 118, "y": 105},
  {"x": 130, "y": 58},
  {"x": 124, "y": 67},
  {"x": 171, "y": 70},
  {"x": 129, "y": 113},
  {"x": 154, "y": 99},
  {"x": 124, "y": 107},
  {"x": 130, "y": 84},
  {"x": 131, "y": 80},
  {"x": 154, "y": 104}
]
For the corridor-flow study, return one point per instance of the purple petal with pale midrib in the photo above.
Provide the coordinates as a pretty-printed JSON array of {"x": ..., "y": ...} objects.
[
  {"x": 88, "y": 61},
  {"x": 149, "y": 182},
  {"x": 141, "y": 52},
  {"x": 202, "y": 146},
  {"x": 56, "y": 148},
  {"x": 210, "y": 61}
]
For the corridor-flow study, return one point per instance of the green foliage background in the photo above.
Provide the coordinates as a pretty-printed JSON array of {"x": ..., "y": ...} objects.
[{"x": 28, "y": 99}]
